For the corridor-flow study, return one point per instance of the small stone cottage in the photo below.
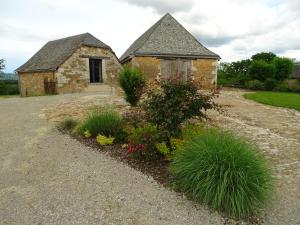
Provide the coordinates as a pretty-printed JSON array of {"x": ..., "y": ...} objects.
[
  {"x": 167, "y": 49},
  {"x": 73, "y": 64}
]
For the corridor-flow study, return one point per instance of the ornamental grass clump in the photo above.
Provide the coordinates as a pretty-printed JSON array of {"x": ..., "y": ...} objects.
[
  {"x": 108, "y": 123},
  {"x": 223, "y": 171},
  {"x": 67, "y": 124}
]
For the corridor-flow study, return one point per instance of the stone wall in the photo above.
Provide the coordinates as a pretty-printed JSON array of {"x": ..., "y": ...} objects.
[
  {"x": 73, "y": 75},
  {"x": 33, "y": 83},
  {"x": 204, "y": 71}
]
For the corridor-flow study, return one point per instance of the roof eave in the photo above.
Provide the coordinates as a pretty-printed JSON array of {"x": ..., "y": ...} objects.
[{"x": 179, "y": 56}]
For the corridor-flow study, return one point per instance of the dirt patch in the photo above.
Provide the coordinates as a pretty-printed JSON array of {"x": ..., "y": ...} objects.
[{"x": 77, "y": 107}]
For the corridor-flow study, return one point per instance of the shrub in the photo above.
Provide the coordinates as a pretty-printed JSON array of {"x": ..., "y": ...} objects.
[
  {"x": 270, "y": 84},
  {"x": 283, "y": 68},
  {"x": 134, "y": 116},
  {"x": 175, "y": 102},
  {"x": 103, "y": 140},
  {"x": 67, "y": 124},
  {"x": 255, "y": 85},
  {"x": 142, "y": 141},
  {"x": 108, "y": 123},
  {"x": 132, "y": 82},
  {"x": 224, "y": 172},
  {"x": 282, "y": 87},
  {"x": 260, "y": 70}
]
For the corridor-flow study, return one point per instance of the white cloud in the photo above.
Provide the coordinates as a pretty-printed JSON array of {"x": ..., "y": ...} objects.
[{"x": 234, "y": 29}]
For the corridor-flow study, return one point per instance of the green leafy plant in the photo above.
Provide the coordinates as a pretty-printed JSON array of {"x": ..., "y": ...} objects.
[
  {"x": 283, "y": 68},
  {"x": 87, "y": 134},
  {"x": 261, "y": 70},
  {"x": 224, "y": 172},
  {"x": 255, "y": 85},
  {"x": 67, "y": 124},
  {"x": 132, "y": 82},
  {"x": 173, "y": 103},
  {"x": 264, "y": 56},
  {"x": 103, "y": 140},
  {"x": 270, "y": 84},
  {"x": 163, "y": 149},
  {"x": 108, "y": 123},
  {"x": 142, "y": 141}
]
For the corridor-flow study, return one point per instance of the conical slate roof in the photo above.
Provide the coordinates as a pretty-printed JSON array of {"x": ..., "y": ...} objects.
[
  {"x": 56, "y": 52},
  {"x": 167, "y": 37}
]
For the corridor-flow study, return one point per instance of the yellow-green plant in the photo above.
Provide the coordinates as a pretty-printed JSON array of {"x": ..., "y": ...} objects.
[
  {"x": 103, "y": 140},
  {"x": 87, "y": 134},
  {"x": 163, "y": 149}
]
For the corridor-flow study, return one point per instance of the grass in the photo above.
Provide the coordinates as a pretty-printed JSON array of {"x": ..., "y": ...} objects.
[
  {"x": 108, "y": 123},
  {"x": 224, "y": 172},
  {"x": 67, "y": 124},
  {"x": 280, "y": 99}
]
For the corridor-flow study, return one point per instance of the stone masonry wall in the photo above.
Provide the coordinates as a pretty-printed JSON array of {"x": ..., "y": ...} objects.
[
  {"x": 204, "y": 71},
  {"x": 73, "y": 75},
  {"x": 33, "y": 83}
]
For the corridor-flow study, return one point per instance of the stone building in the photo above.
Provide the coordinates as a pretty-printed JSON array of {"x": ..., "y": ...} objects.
[
  {"x": 167, "y": 49},
  {"x": 73, "y": 64}
]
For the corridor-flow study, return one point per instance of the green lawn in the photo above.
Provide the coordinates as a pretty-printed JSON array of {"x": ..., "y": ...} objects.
[{"x": 281, "y": 99}]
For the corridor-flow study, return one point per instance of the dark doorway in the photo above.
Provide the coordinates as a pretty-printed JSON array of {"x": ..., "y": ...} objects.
[{"x": 96, "y": 71}]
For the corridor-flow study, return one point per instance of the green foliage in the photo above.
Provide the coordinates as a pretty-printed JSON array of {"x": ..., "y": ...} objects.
[
  {"x": 281, "y": 99},
  {"x": 234, "y": 74},
  {"x": 103, "y": 140},
  {"x": 261, "y": 70},
  {"x": 9, "y": 87},
  {"x": 173, "y": 103},
  {"x": 264, "y": 56},
  {"x": 67, "y": 124},
  {"x": 224, "y": 172},
  {"x": 163, "y": 149},
  {"x": 283, "y": 68},
  {"x": 108, "y": 123},
  {"x": 132, "y": 82},
  {"x": 270, "y": 84},
  {"x": 255, "y": 85},
  {"x": 143, "y": 141},
  {"x": 87, "y": 134}
]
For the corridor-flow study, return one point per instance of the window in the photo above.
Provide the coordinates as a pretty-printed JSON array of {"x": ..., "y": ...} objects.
[
  {"x": 171, "y": 68},
  {"x": 96, "y": 71}
]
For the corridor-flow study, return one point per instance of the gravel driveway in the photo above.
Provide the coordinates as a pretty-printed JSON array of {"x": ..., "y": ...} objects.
[{"x": 49, "y": 178}]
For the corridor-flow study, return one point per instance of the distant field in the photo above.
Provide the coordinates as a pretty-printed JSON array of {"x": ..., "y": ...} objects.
[
  {"x": 280, "y": 99},
  {"x": 9, "y": 87}
]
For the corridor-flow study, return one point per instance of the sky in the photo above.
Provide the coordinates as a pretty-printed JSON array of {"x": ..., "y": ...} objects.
[{"x": 234, "y": 29}]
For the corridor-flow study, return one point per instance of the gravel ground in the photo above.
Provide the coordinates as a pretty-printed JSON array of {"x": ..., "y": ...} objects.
[{"x": 49, "y": 178}]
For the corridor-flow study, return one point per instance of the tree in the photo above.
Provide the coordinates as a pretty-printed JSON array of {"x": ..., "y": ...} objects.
[
  {"x": 264, "y": 56},
  {"x": 2, "y": 65},
  {"x": 283, "y": 68},
  {"x": 261, "y": 70}
]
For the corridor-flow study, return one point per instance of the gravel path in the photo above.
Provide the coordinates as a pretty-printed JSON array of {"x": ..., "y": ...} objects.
[
  {"x": 277, "y": 133},
  {"x": 49, "y": 178}
]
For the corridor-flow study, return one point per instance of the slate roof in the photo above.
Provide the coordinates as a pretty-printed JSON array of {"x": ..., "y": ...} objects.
[
  {"x": 296, "y": 71},
  {"x": 54, "y": 53},
  {"x": 167, "y": 37}
]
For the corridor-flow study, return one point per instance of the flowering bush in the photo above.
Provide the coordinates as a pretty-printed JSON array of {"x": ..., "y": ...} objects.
[
  {"x": 103, "y": 140},
  {"x": 174, "y": 102},
  {"x": 142, "y": 141}
]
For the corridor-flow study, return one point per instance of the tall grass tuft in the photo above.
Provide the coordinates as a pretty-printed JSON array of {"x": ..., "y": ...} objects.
[
  {"x": 108, "y": 123},
  {"x": 225, "y": 172},
  {"x": 67, "y": 124}
]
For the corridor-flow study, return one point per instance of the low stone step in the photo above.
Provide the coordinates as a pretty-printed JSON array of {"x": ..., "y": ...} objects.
[{"x": 101, "y": 88}]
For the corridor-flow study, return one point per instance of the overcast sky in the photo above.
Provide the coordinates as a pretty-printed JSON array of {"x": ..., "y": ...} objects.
[{"x": 234, "y": 29}]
